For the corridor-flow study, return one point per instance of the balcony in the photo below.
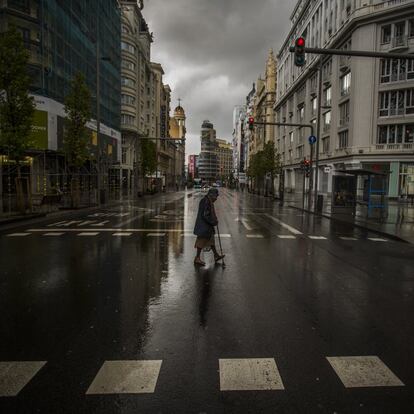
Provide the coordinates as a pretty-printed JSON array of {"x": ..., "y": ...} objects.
[
  {"x": 399, "y": 42},
  {"x": 395, "y": 147}
]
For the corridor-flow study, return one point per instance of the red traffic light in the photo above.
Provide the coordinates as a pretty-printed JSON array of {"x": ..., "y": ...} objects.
[
  {"x": 251, "y": 120},
  {"x": 300, "y": 42}
]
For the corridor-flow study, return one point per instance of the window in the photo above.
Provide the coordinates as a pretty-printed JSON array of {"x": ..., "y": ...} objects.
[
  {"x": 386, "y": 34},
  {"x": 409, "y": 102},
  {"x": 343, "y": 139},
  {"x": 396, "y": 70},
  {"x": 327, "y": 121},
  {"x": 127, "y": 64},
  {"x": 127, "y": 82},
  {"x": 395, "y": 134},
  {"x": 125, "y": 29},
  {"x": 127, "y": 119},
  {"x": 325, "y": 144},
  {"x": 411, "y": 28},
  {"x": 328, "y": 96},
  {"x": 128, "y": 47},
  {"x": 127, "y": 99},
  {"x": 124, "y": 155},
  {"x": 346, "y": 84},
  {"x": 291, "y": 137},
  {"x": 21, "y": 5},
  {"x": 344, "y": 114},
  {"x": 299, "y": 152},
  {"x": 314, "y": 105}
]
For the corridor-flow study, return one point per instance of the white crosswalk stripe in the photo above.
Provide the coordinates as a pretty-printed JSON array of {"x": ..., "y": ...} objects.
[
  {"x": 126, "y": 377},
  {"x": 377, "y": 239},
  {"x": 317, "y": 237},
  {"x": 88, "y": 234},
  {"x": 54, "y": 234},
  {"x": 285, "y": 236},
  {"x": 18, "y": 235},
  {"x": 348, "y": 238},
  {"x": 155, "y": 234},
  {"x": 15, "y": 375},
  {"x": 122, "y": 234},
  {"x": 249, "y": 375},
  {"x": 363, "y": 371},
  {"x": 254, "y": 236}
]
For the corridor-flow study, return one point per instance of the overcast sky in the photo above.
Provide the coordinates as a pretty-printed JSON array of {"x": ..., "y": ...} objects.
[{"x": 212, "y": 51}]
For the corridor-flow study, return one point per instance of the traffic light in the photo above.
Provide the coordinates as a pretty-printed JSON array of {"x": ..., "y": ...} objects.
[
  {"x": 300, "y": 51},
  {"x": 251, "y": 123},
  {"x": 307, "y": 167}
]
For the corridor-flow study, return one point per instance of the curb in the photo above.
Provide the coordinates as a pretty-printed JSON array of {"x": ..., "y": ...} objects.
[{"x": 359, "y": 226}]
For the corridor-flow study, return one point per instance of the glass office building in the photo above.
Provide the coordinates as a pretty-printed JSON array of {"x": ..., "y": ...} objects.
[{"x": 64, "y": 37}]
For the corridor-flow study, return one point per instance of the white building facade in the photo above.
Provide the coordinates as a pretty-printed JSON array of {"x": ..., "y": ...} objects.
[
  {"x": 238, "y": 143},
  {"x": 367, "y": 119}
]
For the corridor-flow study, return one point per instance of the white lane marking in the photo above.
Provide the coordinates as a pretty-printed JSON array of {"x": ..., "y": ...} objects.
[
  {"x": 15, "y": 375},
  {"x": 249, "y": 375},
  {"x": 126, "y": 377},
  {"x": 284, "y": 225},
  {"x": 18, "y": 235},
  {"x": 71, "y": 223},
  {"x": 88, "y": 234},
  {"x": 348, "y": 238},
  {"x": 225, "y": 235},
  {"x": 317, "y": 237},
  {"x": 254, "y": 236},
  {"x": 122, "y": 234},
  {"x": 284, "y": 236},
  {"x": 55, "y": 234},
  {"x": 377, "y": 239},
  {"x": 364, "y": 371},
  {"x": 59, "y": 223},
  {"x": 102, "y": 223},
  {"x": 155, "y": 234},
  {"x": 85, "y": 223},
  {"x": 137, "y": 217},
  {"x": 246, "y": 225}
]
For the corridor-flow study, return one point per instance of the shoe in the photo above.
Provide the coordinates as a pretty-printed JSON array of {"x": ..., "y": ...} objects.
[{"x": 199, "y": 262}]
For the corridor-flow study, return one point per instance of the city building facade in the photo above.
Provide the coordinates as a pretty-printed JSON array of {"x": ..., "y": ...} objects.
[
  {"x": 138, "y": 80},
  {"x": 367, "y": 120},
  {"x": 177, "y": 133},
  {"x": 208, "y": 169},
  {"x": 225, "y": 158},
  {"x": 263, "y": 103},
  {"x": 239, "y": 141},
  {"x": 64, "y": 38},
  {"x": 192, "y": 166}
]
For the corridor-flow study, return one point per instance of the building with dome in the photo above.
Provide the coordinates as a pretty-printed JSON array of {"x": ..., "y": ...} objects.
[{"x": 177, "y": 133}]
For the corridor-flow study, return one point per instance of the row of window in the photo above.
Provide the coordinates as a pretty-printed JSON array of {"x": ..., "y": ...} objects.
[
  {"x": 397, "y": 102},
  {"x": 396, "y": 134},
  {"x": 397, "y": 31},
  {"x": 395, "y": 70}
]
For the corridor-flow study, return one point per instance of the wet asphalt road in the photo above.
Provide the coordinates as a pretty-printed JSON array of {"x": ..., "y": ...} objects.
[{"x": 296, "y": 290}]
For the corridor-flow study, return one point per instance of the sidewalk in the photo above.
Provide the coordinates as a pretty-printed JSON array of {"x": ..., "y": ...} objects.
[{"x": 398, "y": 222}]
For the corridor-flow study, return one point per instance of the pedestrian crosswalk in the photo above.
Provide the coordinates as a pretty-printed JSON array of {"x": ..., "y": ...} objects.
[
  {"x": 235, "y": 374},
  {"x": 160, "y": 233}
]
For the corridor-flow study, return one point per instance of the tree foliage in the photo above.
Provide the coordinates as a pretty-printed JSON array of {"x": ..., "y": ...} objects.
[
  {"x": 16, "y": 106},
  {"x": 264, "y": 162},
  {"x": 78, "y": 113},
  {"x": 148, "y": 157}
]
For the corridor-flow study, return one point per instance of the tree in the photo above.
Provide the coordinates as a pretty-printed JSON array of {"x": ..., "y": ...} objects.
[
  {"x": 271, "y": 162},
  {"x": 16, "y": 106},
  {"x": 77, "y": 137}
]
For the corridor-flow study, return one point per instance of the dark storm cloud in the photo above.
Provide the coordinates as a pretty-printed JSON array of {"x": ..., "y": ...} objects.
[{"x": 212, "y": 51}]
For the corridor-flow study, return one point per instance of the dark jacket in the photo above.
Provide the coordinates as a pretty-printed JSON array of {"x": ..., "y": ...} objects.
[{"x": 206, "y": 219}]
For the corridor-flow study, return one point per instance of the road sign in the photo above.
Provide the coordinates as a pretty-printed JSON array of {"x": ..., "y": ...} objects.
[
  {"x": 327, "y": 170},
  {"x": 312, "y": 139}
]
